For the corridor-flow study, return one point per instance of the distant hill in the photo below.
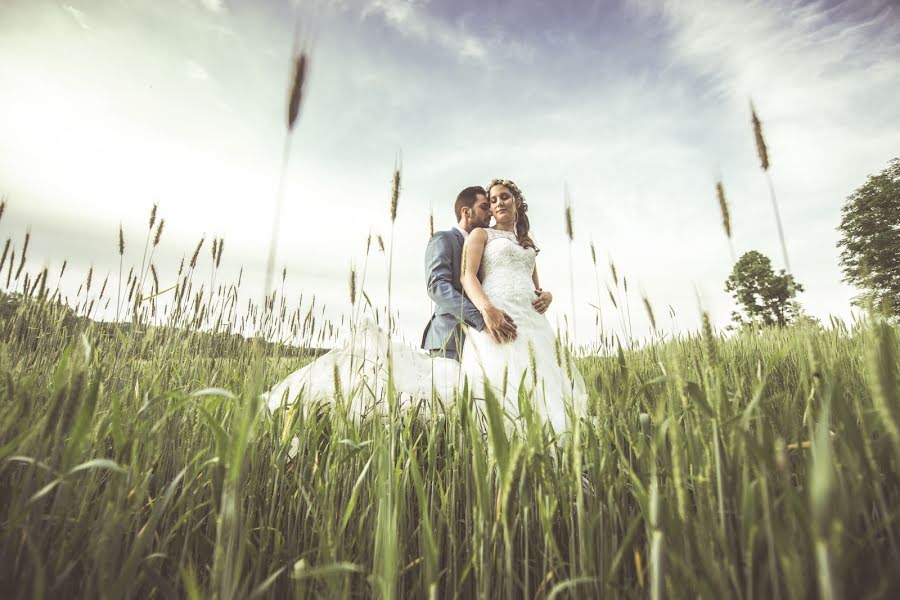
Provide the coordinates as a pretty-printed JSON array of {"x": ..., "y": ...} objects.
[{"x": 56, "y": 316}]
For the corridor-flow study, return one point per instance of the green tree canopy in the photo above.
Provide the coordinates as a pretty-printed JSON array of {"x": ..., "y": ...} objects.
[
  {"x": 870, "y": 240},
  {"x": 765, "y": 297}
]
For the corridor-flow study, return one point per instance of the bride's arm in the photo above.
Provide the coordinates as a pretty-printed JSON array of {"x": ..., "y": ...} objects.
[
  {"x": 497, "y": 323},
  {"x": 543, "y": 300},
  {"x": 473, "y": 250}
]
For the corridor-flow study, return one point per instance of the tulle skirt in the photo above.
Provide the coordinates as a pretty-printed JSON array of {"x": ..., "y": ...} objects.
[{"x": 357, "y": 376}]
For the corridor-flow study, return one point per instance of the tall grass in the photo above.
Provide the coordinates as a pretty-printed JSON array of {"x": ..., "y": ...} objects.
[{"x": 133, "y": 462}]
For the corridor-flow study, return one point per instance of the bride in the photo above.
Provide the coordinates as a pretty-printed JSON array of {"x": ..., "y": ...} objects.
[{"x": 499, "y": 272}]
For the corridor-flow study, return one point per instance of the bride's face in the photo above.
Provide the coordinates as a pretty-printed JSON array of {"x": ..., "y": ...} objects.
[{"x": 503, "y": 204}]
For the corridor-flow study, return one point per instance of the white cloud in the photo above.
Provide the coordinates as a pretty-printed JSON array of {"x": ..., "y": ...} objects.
[
  {"x": 409, "y": 18},
  {"x": 79, "y": 16},
  {"x": 195, "y": 71},
  {"x": 412, "y": 19},
  {"x": 787, "y": 49},
  {"x": 215, "y": 6}
]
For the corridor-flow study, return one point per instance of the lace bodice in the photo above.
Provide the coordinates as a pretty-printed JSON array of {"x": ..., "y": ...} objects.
[{"x": 507, "y": 268}]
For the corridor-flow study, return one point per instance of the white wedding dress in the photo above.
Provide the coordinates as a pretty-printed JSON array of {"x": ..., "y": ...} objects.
[
  {"x": 357, "y": 373},
  {"x": 536, "y": 359}
]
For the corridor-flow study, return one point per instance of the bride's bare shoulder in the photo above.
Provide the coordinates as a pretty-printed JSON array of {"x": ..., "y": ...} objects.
[{"x": 479, "y": 234}]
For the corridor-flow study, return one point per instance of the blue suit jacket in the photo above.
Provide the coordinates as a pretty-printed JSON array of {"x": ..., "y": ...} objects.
[{"x": 444, "y": 333}]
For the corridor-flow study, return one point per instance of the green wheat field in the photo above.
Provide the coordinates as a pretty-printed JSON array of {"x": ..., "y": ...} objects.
[{"x": 137, "y": 461}]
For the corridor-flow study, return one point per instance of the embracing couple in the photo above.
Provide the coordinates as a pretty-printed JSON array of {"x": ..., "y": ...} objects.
[
  {"x": 490, "y": 307},
  {"x": 488, "y": 327}
]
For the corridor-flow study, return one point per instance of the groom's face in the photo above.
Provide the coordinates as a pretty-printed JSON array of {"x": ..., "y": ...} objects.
[{"x": 480, "y": 212}]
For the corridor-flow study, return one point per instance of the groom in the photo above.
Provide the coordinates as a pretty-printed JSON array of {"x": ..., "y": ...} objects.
[{"x": 444, "y": 334}]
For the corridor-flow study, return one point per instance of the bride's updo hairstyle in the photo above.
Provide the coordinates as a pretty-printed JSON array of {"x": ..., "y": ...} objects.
[{"x": 522, "y": 225}]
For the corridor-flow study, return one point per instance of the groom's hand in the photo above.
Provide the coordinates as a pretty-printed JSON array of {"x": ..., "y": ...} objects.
[
  {"x": 499, "y": 325},
  {"x": 542, "y": 302}
]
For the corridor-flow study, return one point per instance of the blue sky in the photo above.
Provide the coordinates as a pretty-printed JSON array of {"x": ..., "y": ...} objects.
[{"x": 636, "y": 105}]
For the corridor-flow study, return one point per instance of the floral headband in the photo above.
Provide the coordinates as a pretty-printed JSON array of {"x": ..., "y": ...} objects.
[{"x": 513, "y": 188}]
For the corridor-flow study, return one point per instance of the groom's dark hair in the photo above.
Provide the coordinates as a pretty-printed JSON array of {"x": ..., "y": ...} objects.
[{"x": 466, "y": 199}]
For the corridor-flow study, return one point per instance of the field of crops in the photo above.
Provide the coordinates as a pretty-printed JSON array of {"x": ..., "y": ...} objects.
[{"x": 137, "y": 461}]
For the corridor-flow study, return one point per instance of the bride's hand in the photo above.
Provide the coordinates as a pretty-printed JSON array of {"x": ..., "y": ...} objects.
[{"x": 542, "y": 302}]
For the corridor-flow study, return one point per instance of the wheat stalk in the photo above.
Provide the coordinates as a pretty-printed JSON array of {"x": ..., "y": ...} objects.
[
  {"x": 296, "y": 90},
  {"x": 571, "y": 235},
  {"x": 159, "y": 230},
  {"x": 764, "y": 163},
  {"x": 395, "y": 198},
  {"x": 12, "y": 260},
  {"x": 760, "y": 140},
  {"x": 155, "y": 278},
  {"x": 90, "y": 277},
  {"x": 24, "y": 251},
  {"x": 723, "y": 206},
  {"x": 352, "y": 286},
  {"x": 623, "y": 309},
  {"x": 103, "y": 287},
  {"x": 147, "y": 240},
  {"x": 293, "y": 112},
  {"x": 726, "y": 217},
  {"x": 649, "y": 309},
  {"x": 599, "y": 318},
  {"x": 42, "y": 280},
  {"x": 395, "y": 191},
  {"x": 121, "y": 258},
  {"x": 193, "y": 262},
  {"x": 5, "y": 252}
]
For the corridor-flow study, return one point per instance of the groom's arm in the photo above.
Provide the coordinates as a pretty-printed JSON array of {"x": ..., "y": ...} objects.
[{"x": 439, "y": 270}]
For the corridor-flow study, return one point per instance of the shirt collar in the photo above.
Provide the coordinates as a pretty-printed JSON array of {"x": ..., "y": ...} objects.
[{"x": 464, "y": 233}]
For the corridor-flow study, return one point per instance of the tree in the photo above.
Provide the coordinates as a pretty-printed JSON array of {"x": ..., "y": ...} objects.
[
  {"x": 766, "y": 298},
  {"x": 870, "y": 240}
]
